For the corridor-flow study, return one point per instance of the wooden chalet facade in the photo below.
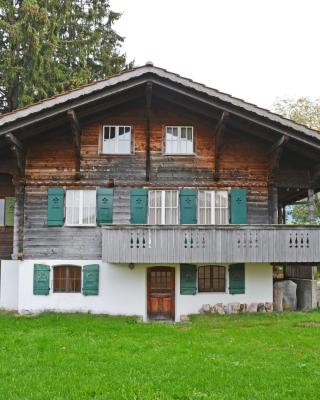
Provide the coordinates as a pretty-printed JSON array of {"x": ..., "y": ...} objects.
[{"x": 150, "y": 194}]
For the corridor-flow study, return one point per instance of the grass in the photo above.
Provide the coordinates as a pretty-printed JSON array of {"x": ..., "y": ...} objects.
[{"x": 264, "y": 356}]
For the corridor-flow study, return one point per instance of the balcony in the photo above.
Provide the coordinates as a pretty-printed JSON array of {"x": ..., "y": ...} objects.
[{"x": 211, "y": 244}]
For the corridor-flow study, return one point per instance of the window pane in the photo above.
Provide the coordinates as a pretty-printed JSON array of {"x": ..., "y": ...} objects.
[
  {"x": 211, "y": 278},
  {"x": 124, "y": 146},
  {"x": 72, "y": 207},
  {"x": 106, "y": 133},
  {"x": 183, "y": 133},
  {"x": 117, "y": 139},
  {"x": 67, "y": 279},
  {"x": 89, "y": 207},
  {"x": 2, "y": 212}
]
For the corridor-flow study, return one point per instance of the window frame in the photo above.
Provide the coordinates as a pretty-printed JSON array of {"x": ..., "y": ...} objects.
[
  {"x": 81, "y": 203},
  {"x": 67, "y": 278},
  {"x": 212, "y": 288},
  {"x": 213, "y": 207},
  {"x": 163, "y": 206},
  {"x": 3, "y": 212},
  {"x": 179, "y": 127},
  {"x": 103, "y": 140}
]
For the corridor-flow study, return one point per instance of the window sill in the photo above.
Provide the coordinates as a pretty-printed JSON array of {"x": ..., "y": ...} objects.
[
  {"x": 180, "y": 154},
  {"x": 80, "y": 226},
  {"x": 115, "y": 154}
]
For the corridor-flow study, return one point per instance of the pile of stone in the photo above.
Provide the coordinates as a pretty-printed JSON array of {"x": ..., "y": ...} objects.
[{"x": 235, "y": 308}]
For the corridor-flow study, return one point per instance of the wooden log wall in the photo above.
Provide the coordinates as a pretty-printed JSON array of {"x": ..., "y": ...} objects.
[
  {"x": 51, "y": 162},
  {"x": 6, "y": 232}
]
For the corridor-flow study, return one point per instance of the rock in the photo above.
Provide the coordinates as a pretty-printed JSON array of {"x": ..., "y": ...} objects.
[
  {"x": 268, "y": 307},
  {"x": 289, "y": 294},
  {"x": 206, "y": 308},
  {"x": 233, "y": 308},
  {"x": 278, "y": 299},
  {"x": 243, "y": 308},
  {"x": 184, "y": 318},
  {"x": 261, "y": 307},
  {"x": 252, "y": 308},
  {"x": 218, "y": 309}
]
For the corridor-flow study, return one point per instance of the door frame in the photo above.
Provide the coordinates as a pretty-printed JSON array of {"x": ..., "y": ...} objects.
[{"x": 173, "y": 297}]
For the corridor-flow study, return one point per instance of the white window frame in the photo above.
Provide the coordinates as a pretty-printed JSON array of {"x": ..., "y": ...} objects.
[
  {"x": 163, "y": 206},
  {"x": 117, "y": 140},
  {"x": 213, "y": 207},
  {"x": 179, "y": 140},
  {"x": 2, "y": 212},
  {"x": 81, "y": 203}
]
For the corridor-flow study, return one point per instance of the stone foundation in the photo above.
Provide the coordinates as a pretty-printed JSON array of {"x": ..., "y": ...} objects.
[{"x": 236, "y": 308}]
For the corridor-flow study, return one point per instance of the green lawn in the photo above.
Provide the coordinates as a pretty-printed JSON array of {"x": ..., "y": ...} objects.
[{"x": 265, "y": 356}]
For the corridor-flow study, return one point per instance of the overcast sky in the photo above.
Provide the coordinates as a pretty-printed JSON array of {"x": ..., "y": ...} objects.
[{"x": 257, "y": 50}]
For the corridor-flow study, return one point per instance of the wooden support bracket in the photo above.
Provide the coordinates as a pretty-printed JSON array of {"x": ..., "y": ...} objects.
[
  {"x": 18, "y": 149},
  {"x": 148, "y": 128},
  {"x": 76, "y": 132},
  {"x": 219, "y": 133},
  {"x": 275, "y": 153}
]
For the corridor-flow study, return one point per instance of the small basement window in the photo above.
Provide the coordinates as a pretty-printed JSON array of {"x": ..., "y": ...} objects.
[
  {"x": 81, "y": 207},
  {"x": 179, "y": 140},
  {"x": 67, "y": 279},
  {"x": 116, "y": 139},
  {"x": 212, "y": 278},
  {"x": 2, "y": 212}
]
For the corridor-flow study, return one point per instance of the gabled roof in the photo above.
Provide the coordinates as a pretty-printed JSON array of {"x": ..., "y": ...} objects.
[{"x": 131, "y": 78}]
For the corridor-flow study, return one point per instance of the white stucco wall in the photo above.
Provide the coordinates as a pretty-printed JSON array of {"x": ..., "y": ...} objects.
[
  {"x": 9, "y": 284},
  {"x": 124, "y": 292}
]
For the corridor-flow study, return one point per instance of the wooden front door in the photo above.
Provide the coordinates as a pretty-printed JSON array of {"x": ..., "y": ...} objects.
[{"x": 161, "y": 293}]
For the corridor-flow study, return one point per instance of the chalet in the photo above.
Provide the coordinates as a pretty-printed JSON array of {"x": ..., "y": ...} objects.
[{"x": 150, "y": 194}]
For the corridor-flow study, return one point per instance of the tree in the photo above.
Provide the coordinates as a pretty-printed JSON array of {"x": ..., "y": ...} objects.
[
  {"x": 307, "y": 112},
  {"x": 49, "y": 46}
]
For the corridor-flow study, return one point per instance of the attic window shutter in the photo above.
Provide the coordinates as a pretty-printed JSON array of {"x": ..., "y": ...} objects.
[
  {"x": 238, "y": 206},
  {"x": 41, "y": 279},
  {"x": 236, "y": 279},
  {"x": 188, "y": 279},
  {"x": 55, "y": 207},
  {"x": 91, "y": 280},
  {"x": 9, "y": 211},
  {"x": 188, "y": 206},
  {"x": 104, "y": 206},
  {"x": 139, "y": 206}
]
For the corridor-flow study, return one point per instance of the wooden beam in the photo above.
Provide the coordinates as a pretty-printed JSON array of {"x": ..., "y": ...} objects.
[
  {"x": 315, "y": 173},
  {"x": 18, "y": 149},
  {"x": 219, "y": 133},
  {"x": 148, "y": 128},
  {"x": 275, "y": 153},
  {"x": 76, "y": 132}
]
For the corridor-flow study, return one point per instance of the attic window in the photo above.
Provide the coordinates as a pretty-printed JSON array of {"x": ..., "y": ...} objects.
[
  {"x": 179, "y": 140},
  {"x": 116, "y": 139}
]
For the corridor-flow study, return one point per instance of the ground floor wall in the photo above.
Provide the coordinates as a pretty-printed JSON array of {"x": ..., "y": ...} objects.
[{"x": 122, "y": 291}]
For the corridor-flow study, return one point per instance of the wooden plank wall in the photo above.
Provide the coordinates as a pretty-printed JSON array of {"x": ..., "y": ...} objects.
[
  {"x": 6, "y": 233},
  {"x": 51, "y": 162}
]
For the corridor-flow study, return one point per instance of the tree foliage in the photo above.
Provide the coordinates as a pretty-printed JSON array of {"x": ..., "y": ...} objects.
[
  {"x": 49, "y": 46},
  {"x": 307, "y": 112}
]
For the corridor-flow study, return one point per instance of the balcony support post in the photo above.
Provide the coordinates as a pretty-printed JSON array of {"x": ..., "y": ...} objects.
[
  {"x": 311, "y": 206},
  {"x": 219, "y": 132},
  {"x": 148, "y": 128},
  {"x": 273, "y": 205}
]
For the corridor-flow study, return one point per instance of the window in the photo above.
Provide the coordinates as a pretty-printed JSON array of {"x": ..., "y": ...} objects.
[
  {"x": 212, "y": 278},
  {"x": 179, "y": 140},
  {"x": 213, "y": 207},
  {"x": 2, "y": 208},
  {"x": 67, "y": 279},
  {"x": 116, "y": 140},
  {"x": 163, "y": 207},
  {"x": 81, "y": 207}
]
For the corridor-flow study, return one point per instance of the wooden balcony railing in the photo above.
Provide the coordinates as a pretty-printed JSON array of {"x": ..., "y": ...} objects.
[{"x": 211, "y": 244}]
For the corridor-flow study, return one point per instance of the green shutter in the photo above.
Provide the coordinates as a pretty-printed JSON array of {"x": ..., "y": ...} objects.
[
  {"x": 9, "y": 211},
  {"x": 188, "y": 206},
  {"x": 188, "y": 279},
  {"x": 55, "y": 207},
  {"x": 238, "y": 206},
  {"x": 104, "y": 206},
  {"x": 236, "y": 279},
  {"x": 41, "y": 279},
  {"x": 139, "y": 206},
  {"x": 91, "y": 280}
]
